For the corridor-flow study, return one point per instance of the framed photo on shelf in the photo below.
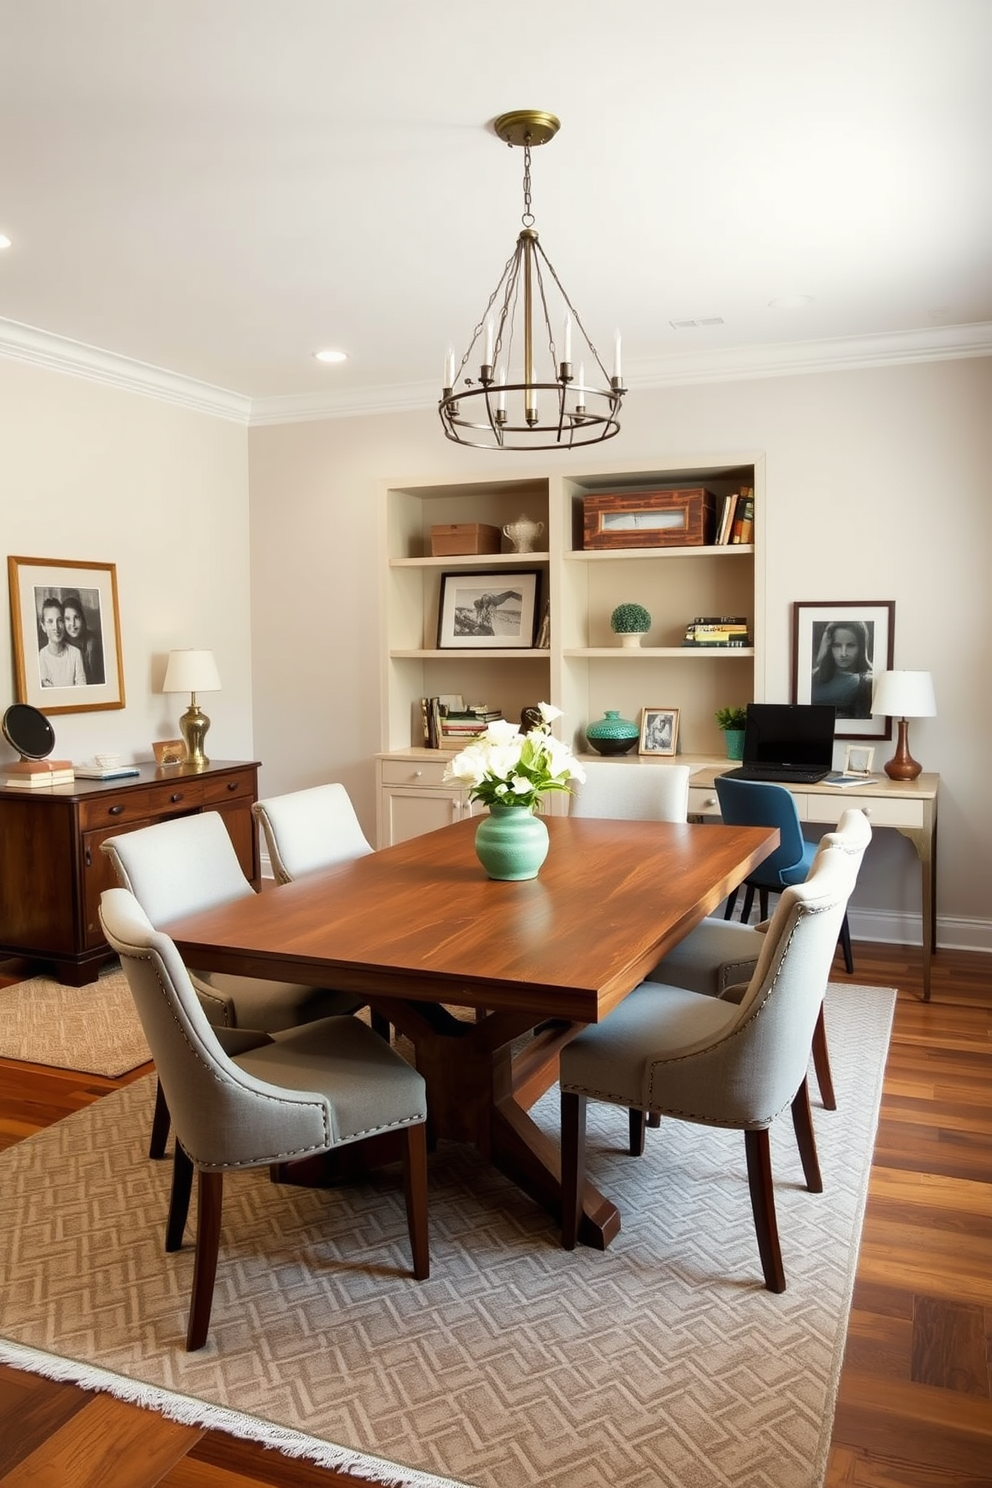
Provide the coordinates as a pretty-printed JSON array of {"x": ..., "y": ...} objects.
[
  {"x": 858, "y": 759},
  {"x": 838, "y": 647},
  {"x": 66, "y": 631},
  {"x": 659, "y": 731},
  {"x": 488, "y": 611}
]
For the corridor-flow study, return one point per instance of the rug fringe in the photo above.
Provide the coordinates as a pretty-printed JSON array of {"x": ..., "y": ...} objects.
[{"x": 190, "y": 1412}]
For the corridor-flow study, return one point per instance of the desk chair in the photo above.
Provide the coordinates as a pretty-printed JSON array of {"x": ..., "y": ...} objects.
[
  {"x": 177, "y": 867},
  {"x": 719, "y": 1063},
  {"x": 752, "y": 803},
  {"x": 632, "y": 792},
  {"x": 301, "y": 1093}
]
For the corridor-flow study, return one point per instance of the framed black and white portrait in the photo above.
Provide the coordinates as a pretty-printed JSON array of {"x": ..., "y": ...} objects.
[
  {"x": 67, "y": 634},
  {"x": 488, "y": 611},
  {"x": 838, "y": 648},
  {"x": 659, "y": 731}
]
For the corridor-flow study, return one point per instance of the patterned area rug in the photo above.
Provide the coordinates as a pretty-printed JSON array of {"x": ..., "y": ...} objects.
[
  {"x": 93, "y": 1028},
  {"x": 662, "y": 1361}
]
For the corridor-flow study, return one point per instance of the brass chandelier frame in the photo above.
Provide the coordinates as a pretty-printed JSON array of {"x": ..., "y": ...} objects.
[{"x": 493, "y": 413}]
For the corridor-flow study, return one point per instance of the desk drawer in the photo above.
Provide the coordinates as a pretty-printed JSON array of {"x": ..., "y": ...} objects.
[
  {"x": 703, "y": 801},
  {"x": 882, "y": 811},
  {"x": 415, "y": 772}
]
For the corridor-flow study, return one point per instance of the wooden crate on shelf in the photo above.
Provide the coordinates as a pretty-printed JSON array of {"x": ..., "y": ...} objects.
[
  {"x": 649, "y": 519},
  {"x": 455, "y": 538}
]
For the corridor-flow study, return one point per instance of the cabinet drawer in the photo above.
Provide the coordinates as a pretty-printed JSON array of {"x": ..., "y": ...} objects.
[
  {"x": 227, "y": 789},
  {"x": 703, "y": 801},
  {"x": 134, "y": 805},
  {"x": 415, "y": 772}
]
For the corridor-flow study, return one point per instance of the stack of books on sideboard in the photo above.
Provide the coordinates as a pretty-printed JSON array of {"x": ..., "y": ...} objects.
[
  {"x": 26, "y": 774},
  {"x": 718, "y": 630}
]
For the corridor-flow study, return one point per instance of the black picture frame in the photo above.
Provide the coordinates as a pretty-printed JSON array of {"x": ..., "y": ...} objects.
[
  {"x": 488, "y": 611},
  {"x": 819, "y": 678}
]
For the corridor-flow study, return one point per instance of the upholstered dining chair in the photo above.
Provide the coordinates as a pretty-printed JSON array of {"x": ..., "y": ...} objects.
[
  {"x": 303, "y": 1092},
  {"x": 309, "y": 829},
  {"x": 721, "y": 954},
  {"x": 178, "y": 867},
  {"x": 755, "y": 803},
  {"x": 632, "y": 791},
  {"x": 717, "y": 1062}
]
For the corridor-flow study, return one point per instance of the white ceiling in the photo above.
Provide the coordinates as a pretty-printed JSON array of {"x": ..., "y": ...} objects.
[{"x": 220, "y": 187}]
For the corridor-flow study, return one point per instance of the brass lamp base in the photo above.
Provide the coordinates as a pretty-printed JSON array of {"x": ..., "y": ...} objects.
[
  {"x": 193, "y": 726},
  {"x": 902, "y": 765}
]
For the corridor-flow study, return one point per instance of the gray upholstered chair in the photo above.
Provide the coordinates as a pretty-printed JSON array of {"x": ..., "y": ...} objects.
[
  {"x": 310, "y": 829},
  {"x": 177, "y": 867},
  {"x": 301, "y": 1093},
  {"x": 716, "y": 1062},
  {"x": 632, "y": 791},
  {"x": 720, "y": 954}
]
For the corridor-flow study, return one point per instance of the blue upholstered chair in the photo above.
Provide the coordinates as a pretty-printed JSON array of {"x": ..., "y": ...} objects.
[{"x": 752, "y": 803}]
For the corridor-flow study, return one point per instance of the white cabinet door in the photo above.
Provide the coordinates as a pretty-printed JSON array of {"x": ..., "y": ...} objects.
[{"x": 409, "y": 811}]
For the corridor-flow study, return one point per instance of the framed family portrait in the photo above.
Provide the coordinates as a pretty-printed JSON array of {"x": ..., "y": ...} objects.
[
  {"x": 66, "y": 631},
  {"x": 659, "y": 731},
  {"x": 838, "y": 648},
  {"x": 488, "y": 611}
]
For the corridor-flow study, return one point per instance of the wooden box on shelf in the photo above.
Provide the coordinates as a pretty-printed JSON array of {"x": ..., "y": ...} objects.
[
  {"x": 649, "y": 519},
  {"x": 451, "y": 539}
]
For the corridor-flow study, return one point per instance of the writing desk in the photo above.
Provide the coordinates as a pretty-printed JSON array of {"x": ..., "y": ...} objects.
[
  {"x": 908, "y": 806},
  {"x": 419, "y": 926}
]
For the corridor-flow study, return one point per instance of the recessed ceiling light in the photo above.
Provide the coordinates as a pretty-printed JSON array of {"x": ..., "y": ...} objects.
[
  {"x": 690, "y": 325},
  {"x": 331, "y": 356},
  {"x": 4, "y": 241},
  {"x": 790, "y": 302}
]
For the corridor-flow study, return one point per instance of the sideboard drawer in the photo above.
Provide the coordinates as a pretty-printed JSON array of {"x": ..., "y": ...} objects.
[
  {"x": 414, "y": 772},
  {"x": 135, "y": 804},
  {"x": 217, "y": 791}
]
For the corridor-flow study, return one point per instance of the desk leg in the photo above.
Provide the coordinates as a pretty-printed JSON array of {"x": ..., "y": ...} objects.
[
  {"x": 474, "y": 1094},
  {"x": 925, "y": 842}
]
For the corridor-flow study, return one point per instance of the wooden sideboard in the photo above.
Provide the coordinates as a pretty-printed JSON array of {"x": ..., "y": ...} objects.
[{"x": 52, "y": 871}]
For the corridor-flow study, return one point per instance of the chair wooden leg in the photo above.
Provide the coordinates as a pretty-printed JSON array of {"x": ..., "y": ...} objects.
[
  {"x": 802, "y": 1121},
  {"x": 654, "y": 1118},
  {"x": 728, "y": 913},
  {"x": 573, "y": 1165},
  {"x": 415, "y": 1189},
  {"x": 821, "y": 1063},
  {"x": 379, "y": 1024},
  {"x": 209, "y": 1201},
  {"x": 638, "y": 1121},
  {"x": 759, "y": 1177},
  {"x": 748, "y": 902},
  {"x": 762, "y": 904},
  {"x": 845, "y": 945},
  {"x": 182, "y": 1185},
  {"x": 161, "y": 1121}
]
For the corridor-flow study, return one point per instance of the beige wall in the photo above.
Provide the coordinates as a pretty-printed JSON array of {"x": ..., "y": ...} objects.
[
  {"x": 878, "y": 488},
  {"x": 99, "y": 474}
]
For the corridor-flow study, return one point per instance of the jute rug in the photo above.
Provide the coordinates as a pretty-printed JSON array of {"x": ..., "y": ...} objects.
[
  {"x": 662, "y": 1361},
  {"x": 93, "y": 1028}
]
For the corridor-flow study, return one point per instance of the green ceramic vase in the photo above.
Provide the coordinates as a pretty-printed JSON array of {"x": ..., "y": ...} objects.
[
  {"x": 613, "y": 734},
  {"x": 511, "y": 842}
]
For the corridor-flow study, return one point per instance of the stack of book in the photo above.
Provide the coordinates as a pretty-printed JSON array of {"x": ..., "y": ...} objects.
[
  {"x": 718, "y": 630},
  {"x": 735, "y": 523},
  {"x": 446, "y": 728},
  {"x": 26, "y": 774}
]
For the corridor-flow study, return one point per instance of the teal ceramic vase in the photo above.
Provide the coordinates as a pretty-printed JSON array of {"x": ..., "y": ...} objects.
[
  {"x": 613, "y": 734},
  {"x": 735, "y": 743},
  {"x": 511, "y": 842}
]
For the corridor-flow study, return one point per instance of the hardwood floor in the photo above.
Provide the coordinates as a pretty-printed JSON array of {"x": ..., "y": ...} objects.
[{"x": 914, "y": 1408}]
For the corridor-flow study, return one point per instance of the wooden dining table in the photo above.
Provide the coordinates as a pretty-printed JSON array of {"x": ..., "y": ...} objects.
[{"x": 420, "y": 932}]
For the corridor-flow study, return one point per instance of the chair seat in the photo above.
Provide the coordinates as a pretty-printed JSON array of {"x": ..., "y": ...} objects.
[
  {"x": 252, "y": 1002},
  {"x": 711, "y": 958}
]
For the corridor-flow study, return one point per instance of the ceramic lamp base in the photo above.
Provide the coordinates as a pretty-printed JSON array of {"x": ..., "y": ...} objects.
[{"x": 902, "y": 765}]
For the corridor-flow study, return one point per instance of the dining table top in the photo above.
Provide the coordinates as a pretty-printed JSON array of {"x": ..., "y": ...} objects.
[{"x": 422, "y": 921}]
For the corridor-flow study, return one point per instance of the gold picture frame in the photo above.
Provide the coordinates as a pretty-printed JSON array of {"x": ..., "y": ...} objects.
[
  {"x": 659, "y": 731},
  {"x": 66, "y": 630}
]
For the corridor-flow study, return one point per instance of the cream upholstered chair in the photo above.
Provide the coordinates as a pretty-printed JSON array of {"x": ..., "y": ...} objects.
[
  {"x": 178, "y": 867},
  {"x": 310, "y": 829},
  {"x": 715, "y": 1062},
  {"x": 632, "y": 791},
  {"x": 720, "y": 954},
  {"x": 301, "y": 1093}
]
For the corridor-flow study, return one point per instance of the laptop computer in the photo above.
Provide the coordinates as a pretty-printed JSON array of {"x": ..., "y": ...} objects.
[{"x": 788, "y": 742}]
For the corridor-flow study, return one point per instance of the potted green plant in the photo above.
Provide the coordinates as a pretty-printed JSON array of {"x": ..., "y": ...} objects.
[
  {"x": 732, "y": 721},
  {"x": 630, "y": 622}
]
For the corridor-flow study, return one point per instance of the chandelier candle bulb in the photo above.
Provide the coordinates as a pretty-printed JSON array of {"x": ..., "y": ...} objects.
[
  {"x": 616, "y": 358},
  {"x": 566, "y": 351},
  {"x": 490, "y": 342},
  {"x": 449, "y": 369}
]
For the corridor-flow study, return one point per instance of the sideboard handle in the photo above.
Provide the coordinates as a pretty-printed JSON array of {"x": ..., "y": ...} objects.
[
  {"x": 116, "y": 810},
  {"x": 232, "y": 785},
  {"x": 176, "y": 796}
]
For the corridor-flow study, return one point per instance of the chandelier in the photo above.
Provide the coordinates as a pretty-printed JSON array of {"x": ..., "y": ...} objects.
[{"x": 528, "y": 393}]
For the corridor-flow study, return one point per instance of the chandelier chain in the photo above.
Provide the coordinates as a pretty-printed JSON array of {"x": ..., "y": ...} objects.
[{"x": 528, "y": 217}]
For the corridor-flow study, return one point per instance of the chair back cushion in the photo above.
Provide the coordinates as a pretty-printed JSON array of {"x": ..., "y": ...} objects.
[
  {"x": 752, "y": 803},
  {"x": 310, "y": 829},
  {"x": 632, "y": 791},
  {"x": 175, "y": 868}
]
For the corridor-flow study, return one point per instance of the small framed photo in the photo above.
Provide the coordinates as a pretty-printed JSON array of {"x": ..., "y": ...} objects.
[
  {"x": 838, "y": 647},
  {"x": 659, "y": 731},
  {"x": 67, "y": 634},
  {"x": 858, "y": 759},
  {"x": 488, "y": 611}
]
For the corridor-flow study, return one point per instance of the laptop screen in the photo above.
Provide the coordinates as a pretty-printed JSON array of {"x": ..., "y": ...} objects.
[{"x": 796, "y": 735}]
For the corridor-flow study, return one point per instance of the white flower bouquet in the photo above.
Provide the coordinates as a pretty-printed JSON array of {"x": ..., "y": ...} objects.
[{"x": 507, "y": 768}]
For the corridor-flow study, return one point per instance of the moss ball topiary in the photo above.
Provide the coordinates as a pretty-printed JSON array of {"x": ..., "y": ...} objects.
[{"x": 630, "y": 619}]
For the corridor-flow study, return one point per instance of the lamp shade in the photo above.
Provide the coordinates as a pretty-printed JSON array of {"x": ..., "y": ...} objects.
[
  {"x": 191, "y": 671},
  {"x": 904, "y": 695}
]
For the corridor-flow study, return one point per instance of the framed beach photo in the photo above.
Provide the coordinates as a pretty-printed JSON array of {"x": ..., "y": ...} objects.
[
  {"x": 858, "y": 759},
  {"x": 838, "y": 648},
  {"x": 488, "y": 611},
  {"x": 67, "y": 634},
  {"x": 659, "y": 731}
]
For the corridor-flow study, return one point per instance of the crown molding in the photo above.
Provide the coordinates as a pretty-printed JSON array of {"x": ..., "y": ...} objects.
[
  {"x": 25, "y": 343},
  {"x": 787, "y": 359}
]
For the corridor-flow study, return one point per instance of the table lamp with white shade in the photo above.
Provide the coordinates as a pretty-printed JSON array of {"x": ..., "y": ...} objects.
[
  {"x": 192, "y": 672},
  {"x": 904, "y": 695}
]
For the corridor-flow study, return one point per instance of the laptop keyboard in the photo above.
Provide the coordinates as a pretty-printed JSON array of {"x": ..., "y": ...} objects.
[{"x": 784, "y": 776}]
